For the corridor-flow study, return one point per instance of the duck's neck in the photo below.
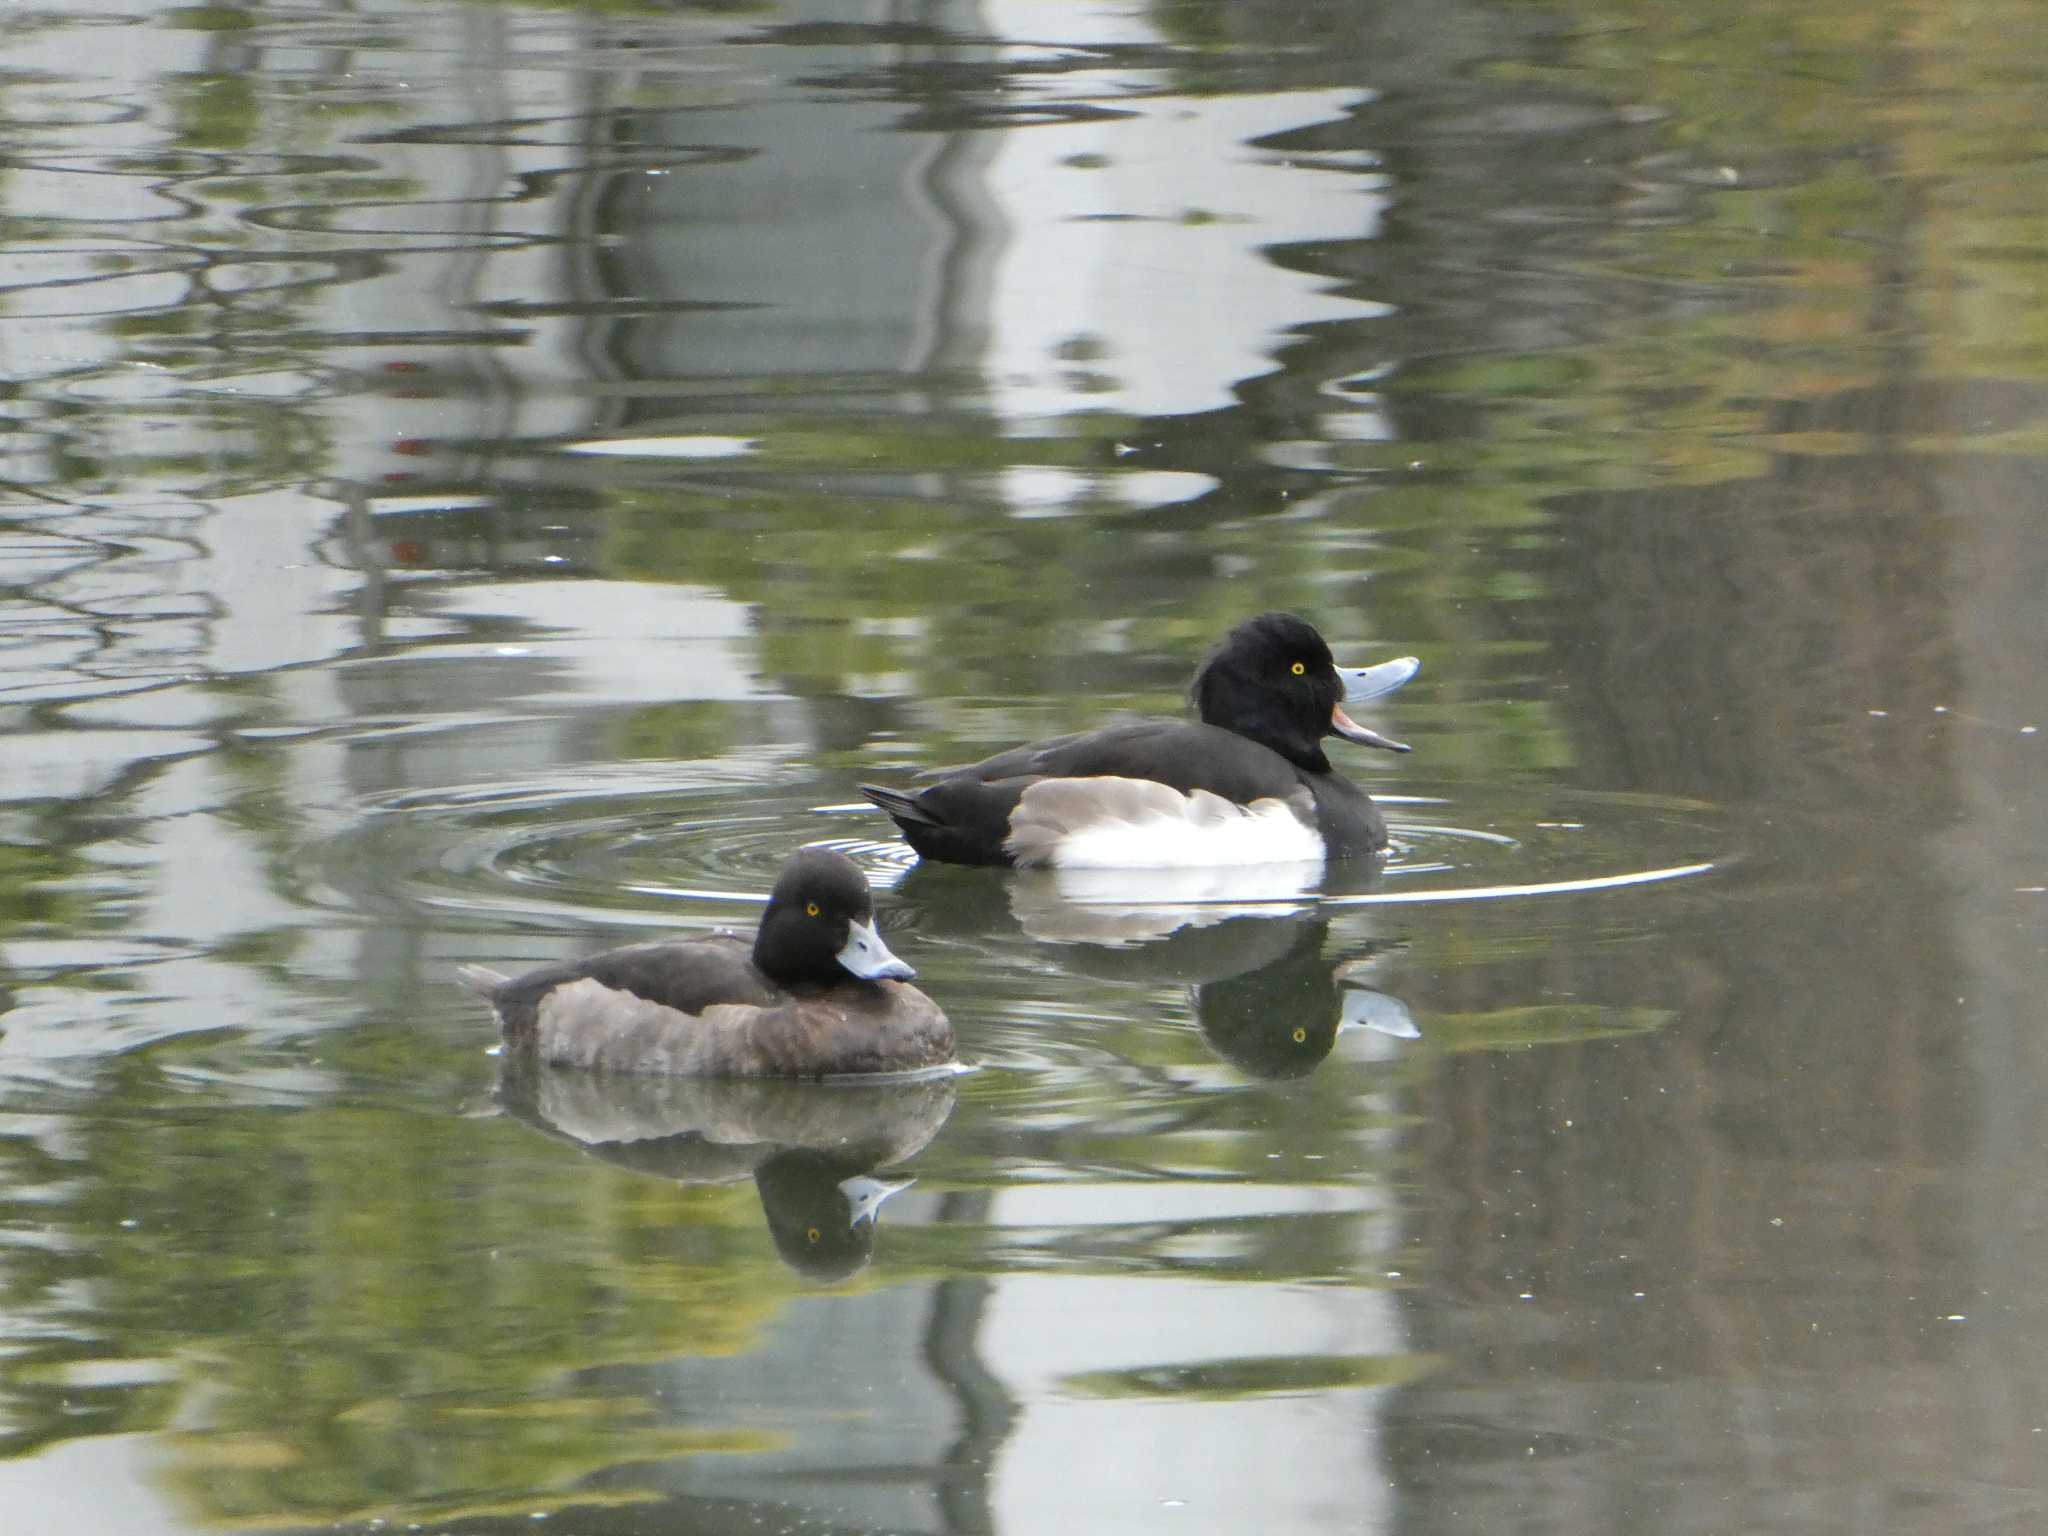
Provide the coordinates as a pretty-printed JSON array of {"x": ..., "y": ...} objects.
[
  {"x": 1273, "y": 723},
  {"x": 788, "y": 953},
  {"x": 1305, "y": 752}
]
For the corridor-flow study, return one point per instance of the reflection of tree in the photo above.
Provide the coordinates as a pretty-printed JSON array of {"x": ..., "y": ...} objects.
[
  {"x": 344, "y": 1282},
  {"x": 1762, "y": 1213}
]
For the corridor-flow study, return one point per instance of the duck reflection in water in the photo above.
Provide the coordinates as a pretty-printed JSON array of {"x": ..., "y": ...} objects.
[
  {"x": 1280, "y": 1019},
  {"x": 1267, "y": 997},
  {"x": 813, "y": 1150}
]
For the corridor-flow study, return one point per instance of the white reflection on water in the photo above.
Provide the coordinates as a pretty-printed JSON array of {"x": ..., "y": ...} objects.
[
  {"x": 620, "y": 641},
  {"x": 126, "y": 1476},
  {"x": 1536, "y": 888},
  {"x": 1185, "y": 1460},
  {"x": 1135, "y": 276},
  {"x": 693, "y": 446}
]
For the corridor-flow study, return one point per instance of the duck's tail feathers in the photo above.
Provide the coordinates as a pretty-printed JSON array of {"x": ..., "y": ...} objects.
[
  {"x": 481, "y": 979},
  {"x": 902, "y": 807}
]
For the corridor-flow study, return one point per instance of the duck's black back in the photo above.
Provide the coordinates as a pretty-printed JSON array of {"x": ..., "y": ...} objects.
[{"x": 1185, "y": 754}]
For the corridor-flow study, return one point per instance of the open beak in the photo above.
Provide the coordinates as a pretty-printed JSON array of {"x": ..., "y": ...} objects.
[
  {"x": 1365, "y": 736},
  {"x": 1363, "y": 683},
  {"x": 868, "y": 957}
]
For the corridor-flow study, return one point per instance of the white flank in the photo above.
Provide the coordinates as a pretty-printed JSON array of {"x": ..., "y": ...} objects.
[{"x": 1115, "y": 823}]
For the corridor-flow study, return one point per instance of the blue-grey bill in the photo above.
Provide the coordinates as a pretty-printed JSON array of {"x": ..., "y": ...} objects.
[
  {"x": 865, "y": 1195},
  {"x": 1363, "y": 683},
  {"x": 1378, "y": 1012},
  {"x": 868, "y": 957}
]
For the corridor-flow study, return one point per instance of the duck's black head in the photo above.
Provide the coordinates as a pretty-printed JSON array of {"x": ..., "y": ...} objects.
[
  {"x": 1273, "y": 679},
  {"x": 820, "y": 924}
]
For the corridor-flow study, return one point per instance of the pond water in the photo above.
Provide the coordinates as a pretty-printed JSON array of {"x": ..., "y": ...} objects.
[{"x": 482, "y": 481}]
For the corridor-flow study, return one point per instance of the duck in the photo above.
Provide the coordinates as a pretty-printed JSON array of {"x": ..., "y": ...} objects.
[
  {"x": 816, "y": 994},
  {"x": 1247, "y": 782}
]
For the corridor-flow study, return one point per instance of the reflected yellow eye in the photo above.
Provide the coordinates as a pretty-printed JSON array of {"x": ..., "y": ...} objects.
[
  {"x": 1300, "y": 1034},
  {"x": 810, "y": 909},
  {"x": 1297, "y": 669},
  {"x": 812, "y": 1234}
]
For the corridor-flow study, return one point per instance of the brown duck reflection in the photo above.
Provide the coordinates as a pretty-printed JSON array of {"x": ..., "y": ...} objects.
[
  {"x": 812, "y": 1149},
  {"x": 1267, "y": 997}
]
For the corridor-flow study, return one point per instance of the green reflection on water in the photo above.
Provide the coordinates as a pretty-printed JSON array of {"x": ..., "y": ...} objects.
[
  {"x": 1541, "y": 1024},
  {"x": 378, "y": 1307}
]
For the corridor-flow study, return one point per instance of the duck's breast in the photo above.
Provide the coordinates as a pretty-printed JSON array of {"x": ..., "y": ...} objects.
[
  {"x": 860, "y": 1028},
  {"x": 1351, "y": 824}
]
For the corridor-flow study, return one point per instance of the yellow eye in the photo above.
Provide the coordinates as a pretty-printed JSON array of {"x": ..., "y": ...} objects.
[
  {"x": 810, "y": 909},
  {"x": 1297, "y": 669},
  {"x": 812, "y": 1234},
  {"x": 1300, "y": 1034}
]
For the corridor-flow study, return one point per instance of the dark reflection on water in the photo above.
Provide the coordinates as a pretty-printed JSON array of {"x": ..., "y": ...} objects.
[
  {"x": 482, "y": 482},
  {"x": 812, "y": 1149}
]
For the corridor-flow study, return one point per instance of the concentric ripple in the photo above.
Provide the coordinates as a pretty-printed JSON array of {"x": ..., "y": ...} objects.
[
  {"x": 617, "y": 856},
  {"x": 627, "y": 850}
]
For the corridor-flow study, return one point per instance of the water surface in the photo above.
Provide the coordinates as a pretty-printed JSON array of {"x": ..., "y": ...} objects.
[{"x": 483, "y": 481}]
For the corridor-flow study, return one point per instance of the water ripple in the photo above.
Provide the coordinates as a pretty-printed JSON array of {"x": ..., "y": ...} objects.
[{"x": 613, "y": 848}]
